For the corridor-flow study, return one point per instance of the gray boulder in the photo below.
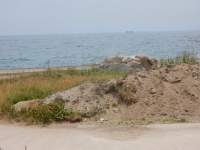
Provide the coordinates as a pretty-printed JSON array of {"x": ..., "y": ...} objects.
[{"x": 129, "y": 63}]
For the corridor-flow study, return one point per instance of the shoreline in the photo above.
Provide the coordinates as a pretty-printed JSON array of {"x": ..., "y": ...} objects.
[{"x": 30, "y": 70}]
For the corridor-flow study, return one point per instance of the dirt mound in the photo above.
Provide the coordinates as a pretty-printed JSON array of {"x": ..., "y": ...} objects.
[{"x": 156, "y": 95}]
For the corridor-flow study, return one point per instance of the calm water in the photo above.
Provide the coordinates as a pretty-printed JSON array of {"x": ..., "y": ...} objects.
[{"x": 85, "y": 49}]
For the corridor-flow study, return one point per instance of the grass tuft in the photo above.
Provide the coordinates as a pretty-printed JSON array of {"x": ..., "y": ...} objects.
[{"x": 185, "y": 57}]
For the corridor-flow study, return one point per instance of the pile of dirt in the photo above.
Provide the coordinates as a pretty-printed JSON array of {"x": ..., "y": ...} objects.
[{"x": 156, "y": 95}]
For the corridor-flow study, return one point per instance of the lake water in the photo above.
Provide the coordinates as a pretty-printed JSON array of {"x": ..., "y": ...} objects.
[{"x": 36, "y": 51}]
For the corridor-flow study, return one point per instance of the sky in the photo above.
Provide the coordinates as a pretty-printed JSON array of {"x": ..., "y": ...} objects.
[{"x": 24, "y": 17}]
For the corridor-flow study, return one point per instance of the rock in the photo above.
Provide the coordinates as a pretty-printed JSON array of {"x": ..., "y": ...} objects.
[
  {"x": 164, "y": 114},
  {"x": 129, "y": 63},
  {"x": 115, "y": 66},
  {"x": 167, "y": 70},
  {"x": 195, "y": 78},
  {"x": 26, "y": 104},
  {"x": 141, "y": 74},
  {"x": 153, "y": 91},
  {"x": 115, "y": 110},
  {"x": 110, "y": 86},
  {"x": 87, "y": 100},
  {"x": 186, "y": 110},
  {"x": 120, "y": 82},
  {"x": 101, "y": 120},
  {"x": 152, "y": 114},
  {"x": 113, "y": 59},
  {"x": 59, "y": 99}
]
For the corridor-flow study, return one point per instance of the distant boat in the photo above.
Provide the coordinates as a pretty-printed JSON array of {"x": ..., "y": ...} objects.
[{"x": 129, "y": 31}]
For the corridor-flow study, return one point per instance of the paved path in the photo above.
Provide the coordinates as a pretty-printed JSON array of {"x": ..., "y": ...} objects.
[{"x": 109, "y": 137}]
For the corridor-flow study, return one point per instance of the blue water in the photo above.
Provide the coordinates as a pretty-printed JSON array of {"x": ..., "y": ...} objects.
[{"x": 36, "y": 51}]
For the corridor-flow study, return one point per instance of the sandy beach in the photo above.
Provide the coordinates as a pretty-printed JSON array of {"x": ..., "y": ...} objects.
[{"x": 90, "y": 137}]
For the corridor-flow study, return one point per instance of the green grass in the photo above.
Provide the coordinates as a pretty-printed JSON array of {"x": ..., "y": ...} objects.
[{"x": 26, "y": 94}]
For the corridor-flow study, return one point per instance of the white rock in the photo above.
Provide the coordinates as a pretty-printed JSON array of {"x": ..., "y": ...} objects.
[
  {"x": 101, "y": 120},
  {"x": 115, "y": 110}
]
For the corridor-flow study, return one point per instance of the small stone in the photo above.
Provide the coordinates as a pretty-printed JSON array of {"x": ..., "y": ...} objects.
[
  {"x": 115, "y": 110},
  {"x": 101, "y": 120},
  {"x": 186, "y": 110},
  {"x": 141, "y": 74},
  {"x": 195, "y": 77},
  {"x": 87, "y": 100},
  {"x": 152, "y": 114},
  {"x": 167, "y": 70},
  {"x": 153, "y": 91},
  {"x": 164, "y": 114},
  {"x": 120, "y": 82}
]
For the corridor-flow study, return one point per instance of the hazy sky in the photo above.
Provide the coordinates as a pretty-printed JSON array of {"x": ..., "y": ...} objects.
[{"x": 19, "y": 17}]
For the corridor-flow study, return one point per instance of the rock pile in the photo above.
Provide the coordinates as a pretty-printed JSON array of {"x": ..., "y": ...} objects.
[{"x": 129, "y": 63}]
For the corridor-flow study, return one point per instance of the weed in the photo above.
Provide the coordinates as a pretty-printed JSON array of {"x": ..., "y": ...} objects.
[
  {"x": 114, "y": 104},
  {"x": 48, "y": 113},
  {"x": 141, "y": 122},
  {"x": 120, "y": 122},
  {"x": 175, "y": 120},
  {"x": 184, "y": 57},
  {"x": 107, "y": 106}
]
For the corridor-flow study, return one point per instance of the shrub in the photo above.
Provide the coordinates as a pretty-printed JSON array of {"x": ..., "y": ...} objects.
[
  {"x": 48, "y": 113},
  {"x": 41, "y": 114}
]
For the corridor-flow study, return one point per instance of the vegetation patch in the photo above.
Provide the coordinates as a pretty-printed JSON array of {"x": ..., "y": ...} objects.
[
  {"x": 184, "y": 57},
  {"x": 38, "y": 85},
  {"x": 45, "y": 114},
  {"x": 175, "y": 120},
  {"x": 26, "y": 94},
  {"x": 127, "y": 93}
]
